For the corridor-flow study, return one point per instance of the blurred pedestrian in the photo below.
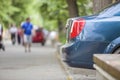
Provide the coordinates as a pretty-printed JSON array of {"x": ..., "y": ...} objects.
[
  {"x": 53, "y": 37},
  {"x": 19, "y": 35},
  {"x": 22, "y": 33},
  {"x": 1, "y": 38},
  {"x": 1, "y": 31},
  {"x": 45, "y": 31},
  {"x": 27, "y": 28},
  {"x": 13, "y": 32}
]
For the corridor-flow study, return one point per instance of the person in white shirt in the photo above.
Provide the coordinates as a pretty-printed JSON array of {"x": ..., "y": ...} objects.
[
  {"x": 53, "y": 37},
  {"x": 45, "y": 33},
  {"x": 13, "y": 32}
]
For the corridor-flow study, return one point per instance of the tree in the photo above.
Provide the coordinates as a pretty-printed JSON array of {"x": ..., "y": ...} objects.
[
  {"x": 48, "y": 13},
  {"x": 6, "y": 9},
  {"x": 72, "y": 8},
  {"x": 79, "y": 7},
  {"x": 15, "y": 11},
  {"x": 55, "y": 16},
  {"x": 25, "y": 10},
  {"x": 100, "y": 4}
]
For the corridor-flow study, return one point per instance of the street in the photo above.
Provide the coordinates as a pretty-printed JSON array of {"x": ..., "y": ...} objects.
[{"x": 40, "y": 64}]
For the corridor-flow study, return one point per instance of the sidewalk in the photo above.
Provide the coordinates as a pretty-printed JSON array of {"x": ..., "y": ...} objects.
[{"x": 40, "y": 64}]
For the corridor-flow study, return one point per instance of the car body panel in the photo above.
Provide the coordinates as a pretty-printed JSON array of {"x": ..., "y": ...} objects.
[
  {"x": 115, "y": 44},
  {"x": 76, "y": 53},
  {"x": 105, "y": 29}
]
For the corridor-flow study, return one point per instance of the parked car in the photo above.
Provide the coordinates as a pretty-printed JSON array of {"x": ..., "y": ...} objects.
[
  {"x": 88, "y": 35},
  {"x": 39, "y": 37}
]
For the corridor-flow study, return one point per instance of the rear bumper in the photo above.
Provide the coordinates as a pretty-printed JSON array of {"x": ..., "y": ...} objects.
[{"x": 80, "y": 54}]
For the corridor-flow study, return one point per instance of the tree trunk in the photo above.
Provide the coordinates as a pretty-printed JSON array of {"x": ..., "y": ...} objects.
[
  {"x": 100, "y": 4},
  {"x": 72, "y": 7}
]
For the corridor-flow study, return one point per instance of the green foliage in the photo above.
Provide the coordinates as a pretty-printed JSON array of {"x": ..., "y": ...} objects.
[
  {"x": 15, "y": 11},
  {"x": 85, "y": 7},
  {"x": 6, "y": 10},
  {"x": 62, "y": 37},
  {"x": 51, "y": 14},
  {"x": 55, "y": 11}
]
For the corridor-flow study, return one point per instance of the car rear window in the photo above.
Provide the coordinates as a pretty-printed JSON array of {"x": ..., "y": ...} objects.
[{"x": 113, "y": 10}]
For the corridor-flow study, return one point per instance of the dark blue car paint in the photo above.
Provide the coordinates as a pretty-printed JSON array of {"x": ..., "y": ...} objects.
[
  {"x": 76, "y": 53},
  {"x": 101, "y": 35},
  {"x": 115, "y": 44}
]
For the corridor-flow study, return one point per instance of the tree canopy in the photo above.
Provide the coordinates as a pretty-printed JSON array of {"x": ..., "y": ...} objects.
[{"x": 51, "y": 14}]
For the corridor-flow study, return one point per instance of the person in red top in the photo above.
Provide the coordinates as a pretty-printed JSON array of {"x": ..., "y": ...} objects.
[{"x": 19, "y": 35}]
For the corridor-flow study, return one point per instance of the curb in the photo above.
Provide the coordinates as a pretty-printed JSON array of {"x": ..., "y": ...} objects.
[{"x": 64, "y": 67}]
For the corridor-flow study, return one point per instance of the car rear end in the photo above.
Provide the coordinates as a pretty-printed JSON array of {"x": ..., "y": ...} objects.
[
  {"x": 82, "y": 42},
  {"x": 74, "y": 27},
  {"x": 38, "y": 37}
]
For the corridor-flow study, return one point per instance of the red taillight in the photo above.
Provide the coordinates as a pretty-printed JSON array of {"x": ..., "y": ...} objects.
[{"x": 77, "y": 27}]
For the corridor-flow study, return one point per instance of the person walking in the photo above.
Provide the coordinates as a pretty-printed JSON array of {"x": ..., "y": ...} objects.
[
  {"x": 27, "y": 28},
  {"x": 1, "y": 31},
  {"x": 1, "y": 37},
  {"x": 53, "y": 37},
  {"x": 19, "y": 35},
  {"x": 13, "y": 32}
]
